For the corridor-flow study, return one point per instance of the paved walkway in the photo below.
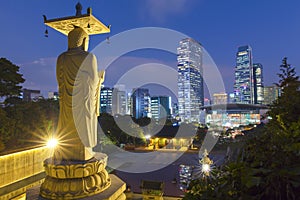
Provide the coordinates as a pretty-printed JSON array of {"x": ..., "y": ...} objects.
[{"x": 159, "y": 169}]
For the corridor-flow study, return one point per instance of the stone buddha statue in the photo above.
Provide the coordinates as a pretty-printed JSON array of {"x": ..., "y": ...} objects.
[
  {"x": 75, "y": 171},
  {"x": 79, "y": 86}
]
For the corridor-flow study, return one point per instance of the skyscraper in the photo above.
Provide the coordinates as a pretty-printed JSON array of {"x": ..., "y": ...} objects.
[
  {"x": 140, "y": 102},
  {"x": 271, "y": 93},
  {"x": 119, "y": 100},
  {"x": 129, "y": 104},
  {"x": 160, "y": 107},
  {"x": 106, "y": 100},
  {"x": 243, "y": 84},
  {"x": 258, "y": 83},
  {"x": 231, "y": 98},
  {"x": 174, "y": 109},
  {"x": 190, "y": 80}
]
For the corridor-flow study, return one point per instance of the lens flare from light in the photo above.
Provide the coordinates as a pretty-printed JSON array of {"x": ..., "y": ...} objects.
[
  {"x": 205, "y": 168},
  {"x": 52, "y": 143},
  {"x": 147, "y": 137}
]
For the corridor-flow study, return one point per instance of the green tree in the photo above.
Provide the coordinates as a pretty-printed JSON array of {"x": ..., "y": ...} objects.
[
  {"x": 5, "y": 130},
  {"x": 288, "y": 76},
  {"x": 25, "y": 124},
  {"x": 144, "y": 121},
  {"x": 10, "y": 78},
  {"x": 121, "y": 129},
  {"x": 285, "y": 110}
]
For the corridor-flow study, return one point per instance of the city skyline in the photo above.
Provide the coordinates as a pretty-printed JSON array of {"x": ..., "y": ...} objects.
[{"x": 220, "y": 32}]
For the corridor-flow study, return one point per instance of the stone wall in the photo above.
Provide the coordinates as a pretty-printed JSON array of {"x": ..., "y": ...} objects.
[{"x": 21, "y": 170}]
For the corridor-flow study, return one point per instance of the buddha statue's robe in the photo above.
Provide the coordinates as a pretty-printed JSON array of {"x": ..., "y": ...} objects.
[{"x": 79, "y": 87}]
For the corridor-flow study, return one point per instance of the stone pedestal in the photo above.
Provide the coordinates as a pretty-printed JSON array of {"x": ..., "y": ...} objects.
[
  {"x": 114, "y": 192},
  {"x": 75, "y": 179}
]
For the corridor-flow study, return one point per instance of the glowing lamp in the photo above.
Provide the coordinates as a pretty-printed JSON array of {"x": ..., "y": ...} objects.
[
  {"x": 52, "y": 143},
  {"x": 205, "y": 168},
  {"x": 147, "y": 137}
]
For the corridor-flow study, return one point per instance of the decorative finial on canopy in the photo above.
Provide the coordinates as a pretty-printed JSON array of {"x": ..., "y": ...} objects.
[
  {"x": 89, "y": 10},
  {"x": 78, "y": 9}
]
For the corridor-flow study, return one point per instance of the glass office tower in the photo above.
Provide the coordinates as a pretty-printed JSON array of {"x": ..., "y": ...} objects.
[
  {"x": 190, "y": 80},
  {"x": 106, "y": 100},
  {"x": 243, "y": 84},
  {"x": 258, "y": 83},
  {"x": 160, "y": 107},
  {"x": 141, "y": 102}
]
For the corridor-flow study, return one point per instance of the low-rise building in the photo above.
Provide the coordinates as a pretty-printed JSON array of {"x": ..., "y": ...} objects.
[
  {"x": 30, "y": 95},
  {"x": 220, "y": 98},
  {"x": 233, "y": 115},
  {"x": 153, "y": 190}
]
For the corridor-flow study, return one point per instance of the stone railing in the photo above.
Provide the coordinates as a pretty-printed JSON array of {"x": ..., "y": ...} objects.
[{"x": 21, "y": 170}]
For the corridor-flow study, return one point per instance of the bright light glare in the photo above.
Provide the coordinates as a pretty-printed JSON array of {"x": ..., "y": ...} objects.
[
  {"x": 52, "y": 143},
  {"x": 205, "y": 168},
  {"x": 147, "y": 137}
]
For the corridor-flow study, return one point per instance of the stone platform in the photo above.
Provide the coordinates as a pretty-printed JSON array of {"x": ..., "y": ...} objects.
[{"x": 114, "y": 192}]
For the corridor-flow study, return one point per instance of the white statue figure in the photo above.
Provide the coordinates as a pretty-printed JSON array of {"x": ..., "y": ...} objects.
[{"x": 79, "y": 86}]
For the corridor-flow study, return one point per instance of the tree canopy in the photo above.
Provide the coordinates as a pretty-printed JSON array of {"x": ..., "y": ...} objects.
[
  {"x": 27, "y": 124},
  {"x": 10, "y": 78},
  {"x": 285, "y": 110}
]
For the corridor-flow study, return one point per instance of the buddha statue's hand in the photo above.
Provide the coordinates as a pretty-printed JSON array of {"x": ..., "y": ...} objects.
[{"x": 101, "y": 75}]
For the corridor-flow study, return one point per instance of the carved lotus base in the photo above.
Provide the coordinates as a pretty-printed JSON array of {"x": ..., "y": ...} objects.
[{"x": 74, "y": 180}]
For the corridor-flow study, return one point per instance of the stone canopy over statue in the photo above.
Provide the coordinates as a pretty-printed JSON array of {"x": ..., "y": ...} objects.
[{"x": 75, "y": 171}]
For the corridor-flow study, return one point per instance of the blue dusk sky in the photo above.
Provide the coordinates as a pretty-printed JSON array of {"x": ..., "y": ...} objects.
[{"x": 271, "y": 28}]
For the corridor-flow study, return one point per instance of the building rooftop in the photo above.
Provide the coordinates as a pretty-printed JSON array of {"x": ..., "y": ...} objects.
[
  {"x": 152, "y": 185},
  {"x": 234, "y": 106}
]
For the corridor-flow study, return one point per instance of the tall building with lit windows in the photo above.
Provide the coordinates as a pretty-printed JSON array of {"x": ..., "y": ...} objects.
[
  {"x": 271, "y": 93},
  {"x": 106, "y": 100},
  {"x": 190, "y": 80},
  {"x": 258, "y": 82},
  {"x": 243, "y": 84},
  {"x": 141, "y": 103},
  {"x": 119, "y": 100},
  {"x": 161, "y": 107}
]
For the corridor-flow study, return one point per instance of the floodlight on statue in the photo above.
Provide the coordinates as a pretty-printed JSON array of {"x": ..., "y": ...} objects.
[
  {"x": 205, "y": 168},
  {"x": 52, "y": 143}
]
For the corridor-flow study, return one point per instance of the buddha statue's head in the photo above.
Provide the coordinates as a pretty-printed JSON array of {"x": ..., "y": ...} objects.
[{"x": 78, "y": 38}]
